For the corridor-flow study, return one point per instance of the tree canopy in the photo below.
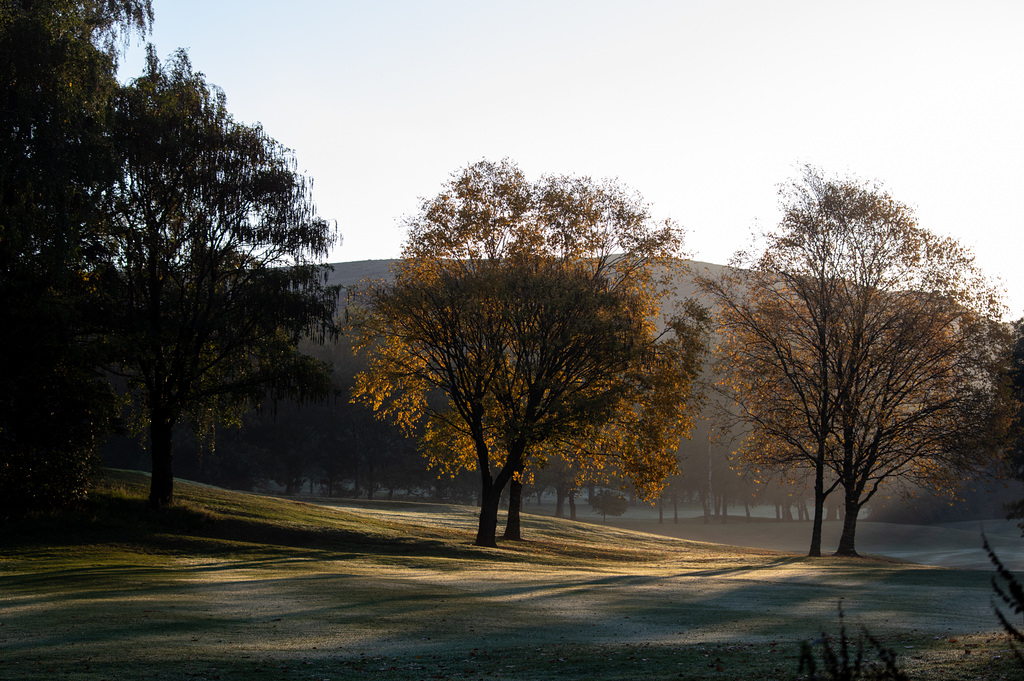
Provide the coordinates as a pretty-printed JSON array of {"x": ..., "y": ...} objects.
[
  {"x": 211, "y": 280},
  {"x": 1014, "y": 455},
  {"x": 861, "y": 347},
  {"x": 534, "y": 309},
  {"x": 608, "y": 503},
  {"x": 57, "y": 66}
]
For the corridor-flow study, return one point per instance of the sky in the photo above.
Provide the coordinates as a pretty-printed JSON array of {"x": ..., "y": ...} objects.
[{"x": 703, "y": 107}]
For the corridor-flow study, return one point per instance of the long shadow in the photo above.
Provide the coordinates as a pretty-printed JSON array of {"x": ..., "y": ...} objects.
[
  {"x": 746, "y": 599},
  {"x": 442, "y": 616}
]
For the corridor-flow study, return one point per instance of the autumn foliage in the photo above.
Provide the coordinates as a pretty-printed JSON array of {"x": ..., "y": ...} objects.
[
  {"x": 533, "y": 311},
  {"x": 861, "y": 348}
]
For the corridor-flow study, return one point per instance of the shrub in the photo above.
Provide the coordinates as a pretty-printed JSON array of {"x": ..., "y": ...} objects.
[
  {"x": 846, "y": 665},
  {"x": 1011, "y": 593}
]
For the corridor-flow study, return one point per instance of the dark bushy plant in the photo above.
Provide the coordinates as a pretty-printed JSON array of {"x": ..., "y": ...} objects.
[
  {"x": 845, "y": 664},
  {"x": 1011, "y": 593}
]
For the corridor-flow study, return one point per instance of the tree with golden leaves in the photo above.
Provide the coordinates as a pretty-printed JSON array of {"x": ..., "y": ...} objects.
[
  {"x": 860, "y": 347},
  {"x": 534, "y": 309}
]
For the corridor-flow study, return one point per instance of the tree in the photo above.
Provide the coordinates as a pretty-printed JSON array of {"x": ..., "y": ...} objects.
[
  {"x": 1014, "y": 455},
  {"x": 212, "y": 278},
  {"x": 57, "y": 66},
  {"x": 564, "y": 468},
  {"x": 861, "y": 344},
  {"x": 775, "y": 313},
  {"x": 532, "y": 308},
  {"x": 607, "y": 502}
]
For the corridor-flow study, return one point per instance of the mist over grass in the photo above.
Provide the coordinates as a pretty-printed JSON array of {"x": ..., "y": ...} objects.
[
  {"x": 950, "y": 544},
  {"x": 237, "y": 586}
]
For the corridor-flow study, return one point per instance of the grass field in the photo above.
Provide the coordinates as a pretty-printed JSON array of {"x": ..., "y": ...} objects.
[
  {"x": 233, "y": 586},
  {"x": 957, "y": 544}
]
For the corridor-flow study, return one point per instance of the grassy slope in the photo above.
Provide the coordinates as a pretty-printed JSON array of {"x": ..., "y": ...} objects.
[{"x": 234, "y": 586}]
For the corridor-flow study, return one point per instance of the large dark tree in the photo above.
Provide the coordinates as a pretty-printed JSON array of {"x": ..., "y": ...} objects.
[
  {"x": 1014, "y": 456},
  {"x": 57, "y": 66},
  {"x": 533, "y": 308},
  {"x": 212, "y": 278}
]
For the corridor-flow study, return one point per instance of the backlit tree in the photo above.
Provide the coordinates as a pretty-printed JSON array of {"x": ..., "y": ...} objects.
[
  {"x": 861, "y": 344},
  {"x": 212, "y": 278},
  {"x": 534, "y": 309}
]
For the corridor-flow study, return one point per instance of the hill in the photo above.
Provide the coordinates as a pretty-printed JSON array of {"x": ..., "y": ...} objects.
[{"x": 350, "y": 273}]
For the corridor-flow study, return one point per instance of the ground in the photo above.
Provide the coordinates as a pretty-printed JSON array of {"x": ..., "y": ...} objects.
[
  {"x": 404, "y": 596},
  {"x": 955, "y": 545}
]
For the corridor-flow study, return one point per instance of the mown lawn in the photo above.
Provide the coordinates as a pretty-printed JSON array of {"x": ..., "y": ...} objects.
[{"x": 233, "y": 586}]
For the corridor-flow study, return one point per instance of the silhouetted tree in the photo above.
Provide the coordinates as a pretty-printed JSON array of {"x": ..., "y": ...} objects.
[
  {"x": 564, "y": 473},
  {"x": 1014, "y": 455},
  {"x": 57, "y": 67},
  {"x": 608, "y": 503},
  {"x": 212, "y": 280}
]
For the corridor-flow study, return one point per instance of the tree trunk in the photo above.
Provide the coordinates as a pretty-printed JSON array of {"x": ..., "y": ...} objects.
[
  {"x": 371, "y": 481},
  {"x": 851, "y": 495},
  {"x": 513, "y": 529},
  {"x": 709, "y": 491},
  {"x": 572, "y": 504},
  {"x": 161, "y": 436},
  {"x": 561, "y": 492},
  {"x": 819, "y": 507},
  {"x": 848, "y": 539},
  {"x": 488, "y": 528},
  {"x": 490, "y": 487}
]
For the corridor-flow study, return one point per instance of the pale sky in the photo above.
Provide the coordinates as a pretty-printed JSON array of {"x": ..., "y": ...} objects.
[{"x": 702, "y": 107}]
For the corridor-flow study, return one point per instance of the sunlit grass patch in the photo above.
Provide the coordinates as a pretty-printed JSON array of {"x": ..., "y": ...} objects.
[{"x": 243, "y": 586}]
